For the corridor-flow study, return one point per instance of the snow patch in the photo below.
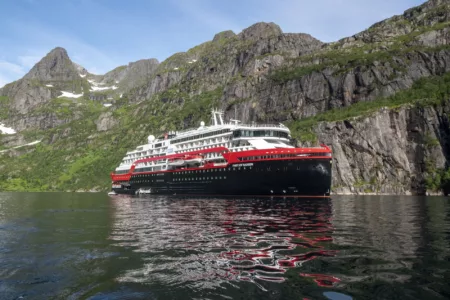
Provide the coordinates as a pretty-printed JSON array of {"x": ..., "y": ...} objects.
[
  {"x": 97, "y": 86},
  {"x": 70, "y": 95},
  {"x": 29, "y": 144},
  {"x": 107, "y": 104},
  {"x": 175, "y": 69},
  {"x": 6, "y": 130},
  {"x": 82, "y": 76},
  {"x": 16, "y": 147},
  {"x": 117, "y": 81},
  {"x": 121, "y": 95},
  {"x": 49, "y": 85}
]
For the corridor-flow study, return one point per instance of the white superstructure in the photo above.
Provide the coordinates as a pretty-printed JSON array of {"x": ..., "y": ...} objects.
[{"x": 234, "y": 136}]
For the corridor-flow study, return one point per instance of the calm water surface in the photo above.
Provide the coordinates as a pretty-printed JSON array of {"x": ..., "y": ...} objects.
[{"x": 91, "y": 246}]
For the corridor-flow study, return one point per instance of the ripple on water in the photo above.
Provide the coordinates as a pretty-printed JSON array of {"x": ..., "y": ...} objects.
[
  {"x": 89, "y": 246},
  {"x": 215, "y": 240}
]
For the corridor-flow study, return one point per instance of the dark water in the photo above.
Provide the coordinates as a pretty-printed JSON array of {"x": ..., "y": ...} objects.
[{"x": 90, "y": 246}]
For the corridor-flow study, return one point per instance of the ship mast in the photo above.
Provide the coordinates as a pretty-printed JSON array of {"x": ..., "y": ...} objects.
[{"x": 217, "y": 117}]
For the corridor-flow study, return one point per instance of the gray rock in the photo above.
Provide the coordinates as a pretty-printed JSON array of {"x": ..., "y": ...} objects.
[
  {"x": 386, "y": 152},
  {"x": 224, "y": 35},
  {"x": 55, "y": 70},
  {"x": 105, "y": 122},
  {"x": 260, "y": 30}
]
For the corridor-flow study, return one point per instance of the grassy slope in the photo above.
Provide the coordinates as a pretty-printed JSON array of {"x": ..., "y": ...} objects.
[{"x": 84, "y": 159}]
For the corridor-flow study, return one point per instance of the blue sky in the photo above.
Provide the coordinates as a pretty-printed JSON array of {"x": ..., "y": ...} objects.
[{"x": 103, "y": 34}]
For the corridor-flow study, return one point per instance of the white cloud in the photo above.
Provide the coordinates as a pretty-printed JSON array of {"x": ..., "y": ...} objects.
[
  {"x": 10, "y": 72},
  {"x": 3, "y": 81},
  {"x": 28, "y": 61},
  {"x": 10, "y": 67}
]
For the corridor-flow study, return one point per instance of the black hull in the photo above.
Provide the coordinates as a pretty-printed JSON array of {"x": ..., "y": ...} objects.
[{"x": 299, "y": 177}]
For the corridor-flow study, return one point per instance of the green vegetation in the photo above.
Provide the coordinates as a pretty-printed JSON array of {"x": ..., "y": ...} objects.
[
  {"x": 341, "y": 60},
  {"x": 430, "y": 141},
  {"x": 117, "y": 69},
  {"x": 437, "y": 179},
  {"x": 81, "y": 158},
  {"x": 65, "y": 107},
  {"x": 425, "y": 92},
  {"x": 4, "y": 107}
]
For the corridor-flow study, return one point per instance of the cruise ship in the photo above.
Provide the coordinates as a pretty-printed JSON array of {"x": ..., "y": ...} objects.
[{"x": 225, "y": 158}]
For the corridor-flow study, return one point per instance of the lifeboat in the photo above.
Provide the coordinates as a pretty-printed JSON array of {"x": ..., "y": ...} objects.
[
  {"x": 193, "y": 159},
  {"x": 177, "y": 162}
]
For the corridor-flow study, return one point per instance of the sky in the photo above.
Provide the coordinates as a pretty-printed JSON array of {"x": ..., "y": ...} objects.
[{"x": 103, "y": 34}]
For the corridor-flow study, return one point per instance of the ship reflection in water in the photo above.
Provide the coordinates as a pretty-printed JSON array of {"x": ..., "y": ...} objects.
[
  {"x": 358, "y": 246},
  {"x": 90, "y": 246},
  {"x": 208, "y": 241}
]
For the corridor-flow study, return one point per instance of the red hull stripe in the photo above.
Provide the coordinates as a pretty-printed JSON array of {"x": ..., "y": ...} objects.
[
  {"x": 128, "y": 176},
  {"x": 225, "y": 166},
  {"x": 231, "y": 157},
  {"x": 274, "y": 195}
]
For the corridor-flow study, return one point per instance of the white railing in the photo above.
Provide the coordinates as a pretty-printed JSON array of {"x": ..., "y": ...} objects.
[{"x": 254, "y": 125}]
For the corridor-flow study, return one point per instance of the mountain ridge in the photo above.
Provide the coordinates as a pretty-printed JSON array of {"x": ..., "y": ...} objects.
[{"x": 260, "y": 74}]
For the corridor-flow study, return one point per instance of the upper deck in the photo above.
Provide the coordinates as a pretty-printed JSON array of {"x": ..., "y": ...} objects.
[{"x": 233, "y": 135}]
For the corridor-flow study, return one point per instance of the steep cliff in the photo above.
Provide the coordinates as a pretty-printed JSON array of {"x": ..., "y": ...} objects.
[
  {"x": 392, "y": 151},
  {"x": 260, "y": 74}
]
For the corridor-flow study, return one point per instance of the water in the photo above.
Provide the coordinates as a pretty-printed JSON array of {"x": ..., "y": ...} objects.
[{"x": 91, "y": 246}]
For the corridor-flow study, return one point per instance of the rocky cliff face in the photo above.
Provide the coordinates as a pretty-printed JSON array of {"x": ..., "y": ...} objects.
[
  {"x": 389, "y": 152},
  {"x": 264, "y": 75},
  {"x": 133, "y": 75},
  {"x": 43, "y": 82},
  {"x": 229, "y": 59}
]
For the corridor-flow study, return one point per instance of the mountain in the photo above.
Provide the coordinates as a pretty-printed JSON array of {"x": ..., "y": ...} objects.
[{"x": 381, "y": 95}]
